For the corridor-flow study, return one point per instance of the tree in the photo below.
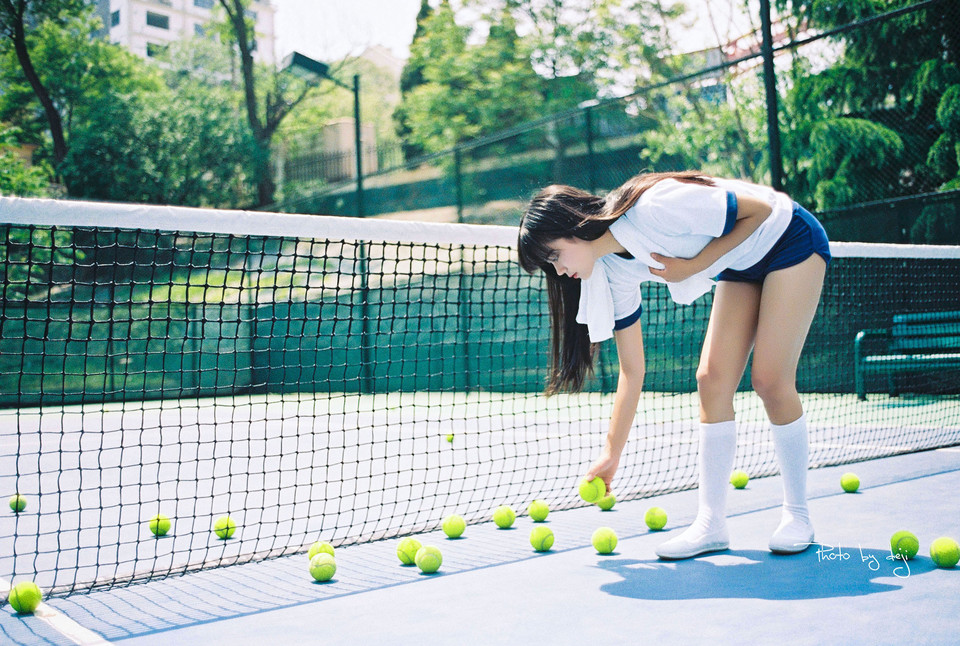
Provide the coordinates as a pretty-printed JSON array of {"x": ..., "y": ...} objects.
[
  {"x": 182, "y": 141},
  {"x": 868, "y": 125},
  {"x": 16, "y": 177},
  {"x": 411, "y": 77},
  {"x": 264, "y": 118},
  {"x": 15, "y": 15},
  {"x": 468, "y": 90}
]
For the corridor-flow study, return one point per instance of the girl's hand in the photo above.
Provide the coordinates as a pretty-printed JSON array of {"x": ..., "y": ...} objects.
[
  {"x": 604, "y": 467},
  {"x": 675, "y": 269}
]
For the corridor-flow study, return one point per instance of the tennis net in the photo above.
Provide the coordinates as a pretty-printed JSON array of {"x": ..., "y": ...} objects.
[{"x": 348, "y": 380}]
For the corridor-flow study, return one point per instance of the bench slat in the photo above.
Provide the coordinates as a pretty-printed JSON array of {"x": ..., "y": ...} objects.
[
  {"x": 926, "y": 317},
  {"x": 927, "y": 329},
  {"x": 935, "y": 345},
  {"x": 908, "y": 361}
]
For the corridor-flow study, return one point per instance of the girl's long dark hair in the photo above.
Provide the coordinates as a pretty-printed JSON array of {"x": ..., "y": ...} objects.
[{"x": 565, "y": 212}]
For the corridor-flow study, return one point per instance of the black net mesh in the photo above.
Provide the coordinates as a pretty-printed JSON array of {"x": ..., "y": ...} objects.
[{"x": 348, "y": 389}]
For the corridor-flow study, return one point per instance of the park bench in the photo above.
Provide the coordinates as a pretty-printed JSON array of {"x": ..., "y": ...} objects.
[{"x": 919, "y": 342}]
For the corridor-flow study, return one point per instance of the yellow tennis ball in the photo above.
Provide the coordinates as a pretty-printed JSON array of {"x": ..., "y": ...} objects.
[
  {"x": 904, "y": 544},
  {"x": 739, "y": 479},
  {"x": 607, "y": 502},
  {"x": 24, "y": 597},
  {"x": 538, "y": 511},
  {"x": 224, "y": 527},
  {"x": 592, "y": 490},
  {"x": 504, "y": 516},
  {"x": 850, "y": 482},
  {"x": 945, "y": 552},
  {"x": 18, "y": 503},
  {"x": 320, "y": 547},
  {"x": 407, "y": 550},
  {"x": 323, "y": 566},
  {"x": 541, "y": 538},
  {"x": 449, "y": 437},
  {"x": 454, "y": 526},
  {"x": 655, "y": 518},
  {"x": 428, "y": 559},
  {"x": 159, "y": 525},
  {"x": 604, "y": 540}
]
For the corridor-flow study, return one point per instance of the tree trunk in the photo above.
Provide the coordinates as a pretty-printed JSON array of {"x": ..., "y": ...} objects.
[{"x": 53, "y": 116}]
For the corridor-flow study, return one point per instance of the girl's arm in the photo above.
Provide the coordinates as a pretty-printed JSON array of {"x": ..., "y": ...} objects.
[
  {"x": 629, "y": 385},
  {"x": 751, "y": 212}
]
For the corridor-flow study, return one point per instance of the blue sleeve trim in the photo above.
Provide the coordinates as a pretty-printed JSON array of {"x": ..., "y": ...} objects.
[
  {"x": 626, "y": 322},
  {"x": 731, "y": 212}
]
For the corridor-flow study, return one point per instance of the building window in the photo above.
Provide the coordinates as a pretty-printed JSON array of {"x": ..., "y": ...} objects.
[
  {"x": 115, "y": 18},
  {"x": 155, "y": 49},
  {"x": 203, "y": 4},
  {"x": 198, "y": 30},
  {"x": 251, "y": 14},
  {"x": 158, "y": 20}
]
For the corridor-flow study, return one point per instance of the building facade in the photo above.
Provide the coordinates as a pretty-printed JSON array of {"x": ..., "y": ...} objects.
[{"x": 147, "y": 27}]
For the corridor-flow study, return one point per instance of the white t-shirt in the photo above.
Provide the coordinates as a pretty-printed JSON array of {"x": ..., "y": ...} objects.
[{"x": 675, "y": 219}]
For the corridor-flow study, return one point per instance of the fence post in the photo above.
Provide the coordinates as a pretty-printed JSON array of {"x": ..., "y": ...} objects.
[
  {"x": 770, "y": 82},
  {"x": 358, "y": 142},
  {"x": 458, "y": 183},
  {"x": 591, "y": 165}
]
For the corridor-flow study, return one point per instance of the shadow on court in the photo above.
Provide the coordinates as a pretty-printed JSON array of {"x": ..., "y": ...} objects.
[{"x": 822, "y": 572}]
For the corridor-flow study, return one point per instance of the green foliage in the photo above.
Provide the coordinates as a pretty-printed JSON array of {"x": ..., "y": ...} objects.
[
  {"x": 469, "y": 90},
  {"x": 722, "y": 135},
  {"x": 948, "y": 111},
  {"x": 832, "y": 156},
  {"x": 17, "y": 177},
  {"x": 134, "y": 135},
  {"x": 938, "y": 223},
  {"x": 850, "y": 152}
]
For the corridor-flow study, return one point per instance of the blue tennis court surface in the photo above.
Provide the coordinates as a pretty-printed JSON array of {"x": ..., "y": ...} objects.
[{"x": 494, "y": 589}]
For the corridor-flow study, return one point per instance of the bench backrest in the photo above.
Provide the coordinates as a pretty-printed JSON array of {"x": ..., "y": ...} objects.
[{"x": 930, "y": 332}]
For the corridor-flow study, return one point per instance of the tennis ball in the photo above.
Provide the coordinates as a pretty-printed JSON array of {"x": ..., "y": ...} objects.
[
  {"x": 25, "y": 596},
  {"x": 656, "y": 518},
  {"x": 453, "y": 526},
  {"x": 945, "y": 552},
  {"x": 539, "y": 510},
  {"x": 428, "y": 559},
  {"x": 592, "y": 490},
  {"x": 159, "y": 525},
  {"x": 450, "y": 437},
  {"x": 18, "y": 503},
  {"x": 604, "y": 540},
  {"x": 904, "y": 544},
  {"x": 224, "y": 527},
  {"x": 320, "y": 547},
  {"x": 407, "y": 550},
  {"x": 607, "y": 502},
  {"x": 541, "y": 538},
  {"x": 739, "y": 479},
  {"x": 850, "y": 482},
  {"x": 504, "y": 516},
  {"x": 323, "y": 566}
]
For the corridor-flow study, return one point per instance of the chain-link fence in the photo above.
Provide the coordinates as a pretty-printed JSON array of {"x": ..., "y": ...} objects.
[{"x": 867, "y": 132}]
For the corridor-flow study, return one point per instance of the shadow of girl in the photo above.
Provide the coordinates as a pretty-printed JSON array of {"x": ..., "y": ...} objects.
[{"x": 821, "y": 572}]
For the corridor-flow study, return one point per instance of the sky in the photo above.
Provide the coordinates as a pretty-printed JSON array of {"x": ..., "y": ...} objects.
[{"x": 330, "y": 30}]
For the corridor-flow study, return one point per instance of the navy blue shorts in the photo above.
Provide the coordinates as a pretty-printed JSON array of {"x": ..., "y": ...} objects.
[{"x": 803, "y": 238}]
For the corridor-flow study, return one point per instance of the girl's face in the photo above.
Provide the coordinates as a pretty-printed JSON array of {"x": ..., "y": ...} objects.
[{"x": 572, "y": 257}]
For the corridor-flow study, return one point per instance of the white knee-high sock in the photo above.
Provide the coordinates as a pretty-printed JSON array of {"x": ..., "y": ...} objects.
[
  {"x": 718, "y": 449},
  {"x": 791, "y": 445}
]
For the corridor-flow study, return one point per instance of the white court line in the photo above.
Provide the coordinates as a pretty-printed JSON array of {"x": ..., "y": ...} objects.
[{"x": 60, "y": 622}]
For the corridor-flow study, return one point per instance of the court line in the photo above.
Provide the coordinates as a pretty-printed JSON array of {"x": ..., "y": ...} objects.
[{"x": 60, "y": 622}]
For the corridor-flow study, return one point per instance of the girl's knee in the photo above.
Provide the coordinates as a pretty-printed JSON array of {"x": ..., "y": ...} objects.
[{"x": 773, "y": 386}]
